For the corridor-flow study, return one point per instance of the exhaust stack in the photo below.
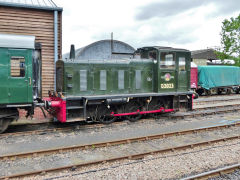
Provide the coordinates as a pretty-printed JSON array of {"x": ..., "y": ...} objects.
[{"x": 72, "y": 52}]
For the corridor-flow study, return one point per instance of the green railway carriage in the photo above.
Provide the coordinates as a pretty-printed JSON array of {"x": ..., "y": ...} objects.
[
  {"x": 19, "y": 80},
  {"x": 157, "y": 77}
]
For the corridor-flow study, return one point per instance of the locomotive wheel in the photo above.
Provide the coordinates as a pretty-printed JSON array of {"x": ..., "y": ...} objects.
[
  {"x": 10, "y": 115},
  {"x": 133, "y": 107},
  {"x": 155, "y": 104},
  {"x": 200, "y": 92},
  {"x": 196, "y": 95},
  {"x": 219, "y": 91},
  {"x": 237, "y": 91},
  {"x": 92, "y": 115},
  {"x": 104, "y": 115},
  {"x": 229, "y": 91},
  {"x": 208, "y": 92},
  {"x": 4, "y": 123}
]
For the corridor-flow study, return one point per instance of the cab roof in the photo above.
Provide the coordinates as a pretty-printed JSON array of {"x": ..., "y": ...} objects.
[{"x": 163, "y": 48}]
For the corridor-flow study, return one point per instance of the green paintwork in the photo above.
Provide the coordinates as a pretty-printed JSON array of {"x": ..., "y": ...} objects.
[
  {"x": 152, "y": 75},
  {"x": 184, "y": 75},
  {"x": 15, "y": 90}
]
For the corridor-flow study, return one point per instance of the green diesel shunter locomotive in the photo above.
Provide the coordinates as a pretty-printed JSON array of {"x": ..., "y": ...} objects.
[{"x": 156, "y": 80}]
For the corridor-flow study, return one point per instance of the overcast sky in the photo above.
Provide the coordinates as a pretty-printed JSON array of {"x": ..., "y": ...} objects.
[{"x": 190, "y": 24}]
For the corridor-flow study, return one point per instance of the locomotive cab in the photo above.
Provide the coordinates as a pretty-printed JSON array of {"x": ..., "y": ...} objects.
[{"x": 172, "y": 66}]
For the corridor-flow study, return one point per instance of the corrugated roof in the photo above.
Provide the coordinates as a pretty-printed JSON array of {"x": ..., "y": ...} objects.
[
  {"x": 102, "y": 50},
  {"x": 33, "y": 4},
  {"x": 204, "y": 54}
]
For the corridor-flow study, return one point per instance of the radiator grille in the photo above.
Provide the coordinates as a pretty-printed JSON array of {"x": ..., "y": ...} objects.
[{"x": 83, "y": 80}]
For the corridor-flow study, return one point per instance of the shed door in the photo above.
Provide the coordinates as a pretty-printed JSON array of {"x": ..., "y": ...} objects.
[{"x": 19, "y": 77}]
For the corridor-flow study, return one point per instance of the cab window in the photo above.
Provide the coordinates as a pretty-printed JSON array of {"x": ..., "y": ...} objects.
[
  {"x": 17, "y": 66},
  {"x": 182, "y": 64},
  {"x": 167, "y": 61},
  {"x": 152, "y": 55}
]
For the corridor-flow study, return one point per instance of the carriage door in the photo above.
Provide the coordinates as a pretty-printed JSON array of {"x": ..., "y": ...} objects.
[
  {"x": 182, "y": 72},
  {"x": 19, "y": 78}
]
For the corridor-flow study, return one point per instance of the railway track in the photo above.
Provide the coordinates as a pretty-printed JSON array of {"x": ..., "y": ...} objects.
[
  {"x": 219, "y": 96},
  {"x": 66, "y": 127},
  {"x": 214, "y": 173},
  {"x": 42, "y": 128},
  {"x": 216, "y": 100},
  {"x": 118, "y": 142},
  {"x": 39, "y": 128},
  {"x": 224, "y": 105}
]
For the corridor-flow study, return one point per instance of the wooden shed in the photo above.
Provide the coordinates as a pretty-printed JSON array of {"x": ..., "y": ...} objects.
[{"x": 42, "y": 19}]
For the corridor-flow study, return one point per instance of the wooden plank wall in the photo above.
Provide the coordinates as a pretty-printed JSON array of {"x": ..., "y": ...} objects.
[{"x": 38, "y": 23}]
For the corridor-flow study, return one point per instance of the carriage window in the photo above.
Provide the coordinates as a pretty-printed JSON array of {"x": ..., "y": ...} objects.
[
  {"x": 182, "y": 64},
  {"x": 167, "y": 61},
  {"x": 17, "y": 66}
]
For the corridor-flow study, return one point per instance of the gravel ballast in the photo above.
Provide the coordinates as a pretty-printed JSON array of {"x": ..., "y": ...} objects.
[
  {"x": 82, "y": 156},
  {"x": 173, "y": 165},
  {"x": 20, "y": 144}
]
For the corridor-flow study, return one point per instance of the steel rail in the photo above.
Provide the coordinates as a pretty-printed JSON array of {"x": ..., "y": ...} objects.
[
  {"x": 62, "y": 129},
  {"x": 214, "y": 173},
  {"x": 215, "y": 102},
  {"x": 115, "y": 142},
  {"x": 235, "y": 108},
  {"x": 214, "y": 107},
  {"x": 132, "y": 157},
  {"x": 203, "y": 101},
  {"x": 218, "y": 95},
  {"x": 206, "y": 113}
]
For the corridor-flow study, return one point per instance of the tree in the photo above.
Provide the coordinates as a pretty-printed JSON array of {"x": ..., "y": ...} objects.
[{"x": 230, "y": 39}]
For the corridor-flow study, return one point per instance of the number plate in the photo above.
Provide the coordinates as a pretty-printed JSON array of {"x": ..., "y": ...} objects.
[{"x": 167, "y": 86}]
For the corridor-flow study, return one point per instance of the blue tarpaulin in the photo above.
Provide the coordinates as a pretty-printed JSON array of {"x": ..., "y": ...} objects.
[{"x": 218, "y": 76}]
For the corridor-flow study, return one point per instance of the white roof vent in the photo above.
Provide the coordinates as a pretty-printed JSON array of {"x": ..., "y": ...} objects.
[{"x": 17, "y": 41}]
